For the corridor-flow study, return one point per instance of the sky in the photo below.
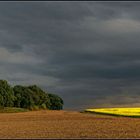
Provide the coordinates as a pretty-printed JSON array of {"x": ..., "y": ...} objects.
[{"x": 88, "y": 53}]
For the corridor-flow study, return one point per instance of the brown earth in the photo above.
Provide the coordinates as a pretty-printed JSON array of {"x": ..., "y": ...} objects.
[{"x": 66, "y": 124}]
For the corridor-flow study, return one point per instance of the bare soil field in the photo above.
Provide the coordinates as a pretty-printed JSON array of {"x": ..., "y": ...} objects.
[{"x": 66, "y": 124}]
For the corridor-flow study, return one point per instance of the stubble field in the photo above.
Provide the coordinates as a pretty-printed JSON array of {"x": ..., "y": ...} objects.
[{"x": 66, "y": 124}]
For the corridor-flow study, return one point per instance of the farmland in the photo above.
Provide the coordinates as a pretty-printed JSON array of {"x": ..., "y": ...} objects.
[
  {"x": 66, "y": 124},
  {"x": 127, "y": 112}
]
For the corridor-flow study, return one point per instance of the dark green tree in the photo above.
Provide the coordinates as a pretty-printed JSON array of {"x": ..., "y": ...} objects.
[
  {"x": 24, "y": 97},
  {"x": 56, "y": 102},
  {"x": 31, "y": 97},
  {"x": 7, "y": 97},
  {"x": 40, "y": 97}
]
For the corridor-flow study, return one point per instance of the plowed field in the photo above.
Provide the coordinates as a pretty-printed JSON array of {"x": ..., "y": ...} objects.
[{"x": 67, "y": 124}]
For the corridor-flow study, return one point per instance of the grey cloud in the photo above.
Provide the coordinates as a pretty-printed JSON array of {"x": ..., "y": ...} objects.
[{"x": 84, "y": 51}]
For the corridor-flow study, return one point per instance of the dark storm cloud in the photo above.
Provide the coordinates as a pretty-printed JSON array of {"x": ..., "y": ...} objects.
[{"x": 87, "y": 52}]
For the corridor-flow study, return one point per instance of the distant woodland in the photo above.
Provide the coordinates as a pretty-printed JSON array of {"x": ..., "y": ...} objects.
[{"x": 29, "y": 97}]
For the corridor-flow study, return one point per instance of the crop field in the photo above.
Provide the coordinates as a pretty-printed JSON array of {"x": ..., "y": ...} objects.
[
  {"x": 128, "y": 112},
  {"x": 67, "y": 124}
]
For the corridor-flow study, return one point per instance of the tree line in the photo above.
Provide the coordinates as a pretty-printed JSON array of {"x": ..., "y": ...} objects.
[{"x": 30, "y": 97}]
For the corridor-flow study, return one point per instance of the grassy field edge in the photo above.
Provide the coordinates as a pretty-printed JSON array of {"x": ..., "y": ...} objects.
[{"x": 12, "y": 110}]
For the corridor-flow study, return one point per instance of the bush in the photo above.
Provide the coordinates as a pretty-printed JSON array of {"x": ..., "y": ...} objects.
[
  {"x": 43, "y": 106},
  {"x": 35, "y": 107}
]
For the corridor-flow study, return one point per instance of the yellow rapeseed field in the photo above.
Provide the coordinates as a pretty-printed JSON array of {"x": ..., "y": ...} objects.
[{"x": 132, "y": 112}]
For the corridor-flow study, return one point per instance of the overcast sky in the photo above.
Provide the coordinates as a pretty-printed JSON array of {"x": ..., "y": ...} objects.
[{"x": 86, "y": 52}]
